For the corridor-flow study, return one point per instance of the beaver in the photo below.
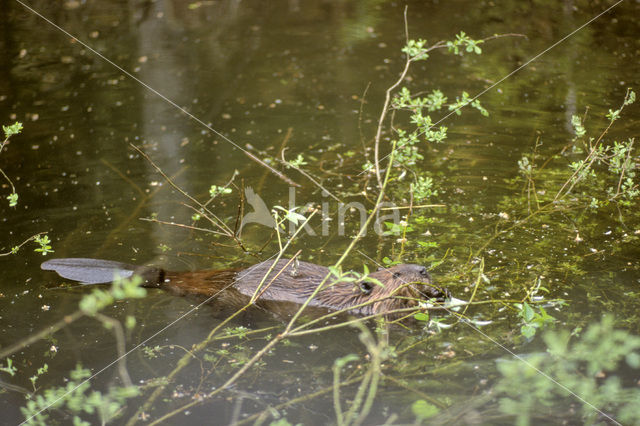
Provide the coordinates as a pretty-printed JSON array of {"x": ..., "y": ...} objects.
[{"x": 380, "y": 292}]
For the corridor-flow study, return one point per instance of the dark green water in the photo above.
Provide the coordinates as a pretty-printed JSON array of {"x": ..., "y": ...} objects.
[{"x": 257, "y": 72}]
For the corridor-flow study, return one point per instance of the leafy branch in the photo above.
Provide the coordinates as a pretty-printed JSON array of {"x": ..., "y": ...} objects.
[
  {"x": 418, "y": 50},
  {"x": 9, "y": 131}
]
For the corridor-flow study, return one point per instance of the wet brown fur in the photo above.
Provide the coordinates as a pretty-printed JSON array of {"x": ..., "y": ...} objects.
[
  {"x": 402, "y": 286},
  {"x": 288, "y": 281}
]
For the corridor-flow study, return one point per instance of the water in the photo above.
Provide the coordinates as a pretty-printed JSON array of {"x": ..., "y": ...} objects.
[{"x": 313, "y": 74}]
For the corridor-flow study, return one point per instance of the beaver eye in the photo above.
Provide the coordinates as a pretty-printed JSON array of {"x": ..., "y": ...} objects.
[
  {"x": 396, "y": 274},
  {"x": 366, "y": 287},
  {"x": 424, "y": 272}
]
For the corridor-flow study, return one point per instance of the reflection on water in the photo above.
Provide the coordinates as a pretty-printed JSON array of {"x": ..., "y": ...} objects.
[{"x": 294, "y": 78}]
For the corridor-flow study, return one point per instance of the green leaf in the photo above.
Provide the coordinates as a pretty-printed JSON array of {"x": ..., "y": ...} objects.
[
  {"x": 13, "y": 129},
  {"x": 45, "y": 244},
  {"x": 527, "y": 312},
  {"x": 299, "y": 161},
  {"x": 423, "y": 410},
  {"x": 13, "y": 199},
  {"x": 9, "y": 368},
  {"x": 214, "y": 191},
  {"x": 427, "y": 244},
  {"x": 280, "y": 422},
  {"x": 421, "y": 316},
  {"x": 130, "y": 322},
  {"x": 294, "y": 217},
  {"x": 631, "y": 98},
  {"x": 528, "y": 331}
]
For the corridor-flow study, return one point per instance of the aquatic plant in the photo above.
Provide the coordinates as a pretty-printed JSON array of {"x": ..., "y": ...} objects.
[{"x": 580, "y": 369}]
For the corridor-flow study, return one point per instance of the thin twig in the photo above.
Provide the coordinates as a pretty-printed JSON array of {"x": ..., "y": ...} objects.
[
  {"x": 624, "y": 167},
  {"x": 205, "y": 211},
  {"x": 572, "y": 181},
  {"x": 118, "y": 332},
  {"x": 362, "y": 102},
  {"x": 308, "y": 176},
  {"x": 272, "y": 170},
  {"x": 182, "y": 225},
  {"x": 421, "y": 206},
  {"x": 58, "y": 325},
  {"x": 19, "y": 246},
  {"x": 285, "y": 140},
  {"x": 385, "y": 107},
  {"x": 124, "y": 177}
]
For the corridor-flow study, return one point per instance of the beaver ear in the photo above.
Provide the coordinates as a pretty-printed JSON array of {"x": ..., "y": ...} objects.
[{"x": 365, "y": 287}]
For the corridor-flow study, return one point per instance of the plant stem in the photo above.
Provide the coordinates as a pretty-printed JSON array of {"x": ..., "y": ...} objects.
[{"x": 60, "y": 324}]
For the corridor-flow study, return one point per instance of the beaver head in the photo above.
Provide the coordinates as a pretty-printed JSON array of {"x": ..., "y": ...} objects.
[{"x": 401, "y": 286}]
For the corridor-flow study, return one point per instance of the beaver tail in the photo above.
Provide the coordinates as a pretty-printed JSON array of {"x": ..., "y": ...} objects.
[{"x": 97, "y": 271}]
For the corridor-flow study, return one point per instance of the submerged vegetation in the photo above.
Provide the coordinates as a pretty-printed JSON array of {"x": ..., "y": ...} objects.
[
  {"x": 575, "y": 371},
  {"x": 515, "y": 308}
]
